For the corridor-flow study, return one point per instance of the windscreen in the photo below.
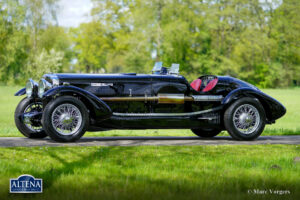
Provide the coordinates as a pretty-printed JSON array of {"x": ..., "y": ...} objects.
[
  {"x": 157, "y": 67},
  {"x": 174, "y": 69}
]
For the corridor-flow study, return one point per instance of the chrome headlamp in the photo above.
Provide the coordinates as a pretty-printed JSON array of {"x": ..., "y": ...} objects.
[
  {"x": 31, "y": 88},
  {"x": 43, "y": 86}
]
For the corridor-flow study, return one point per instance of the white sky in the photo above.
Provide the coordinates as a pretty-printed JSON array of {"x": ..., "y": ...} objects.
[{"x": 73, "y": 12}]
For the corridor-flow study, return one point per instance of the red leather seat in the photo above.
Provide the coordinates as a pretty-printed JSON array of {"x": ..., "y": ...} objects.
[
  {"x": 196, "y": 84},
  {"x": 210, "y": 85}
]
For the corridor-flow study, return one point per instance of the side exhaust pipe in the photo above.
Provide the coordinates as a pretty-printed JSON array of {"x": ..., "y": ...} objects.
[{"x": 166, "y": 98}]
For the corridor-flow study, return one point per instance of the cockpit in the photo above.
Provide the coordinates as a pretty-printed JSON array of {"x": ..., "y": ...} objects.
[{"x": 202, "y": 84}]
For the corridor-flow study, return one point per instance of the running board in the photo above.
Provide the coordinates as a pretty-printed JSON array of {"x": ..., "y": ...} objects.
[{"x": 190, "y": 114}]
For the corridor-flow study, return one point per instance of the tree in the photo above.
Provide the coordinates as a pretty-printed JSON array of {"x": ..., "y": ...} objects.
[
  {"x": 91, "y": 46},
  {"x": 257, "y": 40},
  {"x": 26, "y": 30},
  {"x": 44, "y": 62}
]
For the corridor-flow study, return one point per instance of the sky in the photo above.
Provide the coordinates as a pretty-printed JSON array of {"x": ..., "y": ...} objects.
[{"x": 73, "y": 12}]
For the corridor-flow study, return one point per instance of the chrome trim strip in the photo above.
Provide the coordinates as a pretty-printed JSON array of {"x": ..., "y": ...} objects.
[
  {"x": 190, "y": 114},
  {"x": 101, "y": 84},
  {"x": 207, "y": 97}
]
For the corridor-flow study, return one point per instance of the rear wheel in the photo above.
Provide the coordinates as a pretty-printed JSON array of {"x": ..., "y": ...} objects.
[
  {"x": 206, "y": 132},
  {"x": 65, "y": 119},
  {"x": 30, "y": 128},
  {"x": 245, "y": 119}
]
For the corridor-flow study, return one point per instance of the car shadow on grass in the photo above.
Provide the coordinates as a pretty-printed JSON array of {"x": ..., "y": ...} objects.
[
  {"x": 139, "y": 183},
  {"x": 68, "y": 168}
]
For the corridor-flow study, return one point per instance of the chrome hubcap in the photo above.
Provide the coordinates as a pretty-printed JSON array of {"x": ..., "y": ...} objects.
[
  {"x": 66, "y": 119},
  {"x": 246, "y": 118},
  {"x": 38, "y": 107}
]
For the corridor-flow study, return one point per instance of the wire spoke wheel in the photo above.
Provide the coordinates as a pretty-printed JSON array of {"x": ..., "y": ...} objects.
[
  {"x": 66, "y": 119},
  {"x": 34, "y": 107},
  {"x": 246, "y": 119}
]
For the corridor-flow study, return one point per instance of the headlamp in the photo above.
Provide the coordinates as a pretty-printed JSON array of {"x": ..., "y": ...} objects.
[
  {"x": 29, "y": 88},
  {"x": 43, "y": 86}
]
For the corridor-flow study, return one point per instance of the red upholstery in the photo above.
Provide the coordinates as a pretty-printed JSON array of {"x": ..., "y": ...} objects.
[
  {"x": 196, "y": 84},
  {"x": 210, "y": 85}
]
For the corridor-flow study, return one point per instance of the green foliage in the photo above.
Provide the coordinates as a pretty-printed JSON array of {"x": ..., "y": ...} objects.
[
  {"x": 257, "y": 41},
  {"x": 92, "y": 46},
  {"x": 57, "y": 38},
  {"x": 250, "y": 40},
  {"x": 29, "y": 44},
  {"x": 45, "y": 62}
]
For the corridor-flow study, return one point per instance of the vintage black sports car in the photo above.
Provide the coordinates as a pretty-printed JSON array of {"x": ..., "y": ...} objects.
[{"x": 65, "y": 106}]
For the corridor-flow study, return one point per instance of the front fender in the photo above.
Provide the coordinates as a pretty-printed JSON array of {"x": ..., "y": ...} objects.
[
  {"x": 97, "y": 107},
  {"x": 273, "y": 108},
  {"x": 21, "y": 92}
]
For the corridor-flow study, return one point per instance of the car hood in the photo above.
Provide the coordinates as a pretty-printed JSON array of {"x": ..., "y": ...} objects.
[{"x": 90, "y": 78}]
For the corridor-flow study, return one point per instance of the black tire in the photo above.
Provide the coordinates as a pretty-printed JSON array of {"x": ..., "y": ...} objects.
[
  {"x": 47, "y": 119},
  {"x": 25, "y": 130},
  {"x": 206, "y": 132},
  {"x": 229, "y": 121}
]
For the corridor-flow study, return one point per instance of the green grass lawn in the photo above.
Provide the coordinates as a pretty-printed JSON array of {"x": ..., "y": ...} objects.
[
  {"x": 288, "y": 125},
  {"x": 149, "y": 172}
]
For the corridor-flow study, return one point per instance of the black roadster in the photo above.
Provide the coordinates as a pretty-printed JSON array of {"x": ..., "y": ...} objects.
[{"x": 65, "y": 106}]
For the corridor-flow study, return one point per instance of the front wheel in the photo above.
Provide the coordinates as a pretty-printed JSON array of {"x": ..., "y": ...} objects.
[
  {"x": 245, "y": 119},
  {"x": 206, "y": 132},
  {"x": 65, "y": 119},
  {"x": 29, "y": 128}
]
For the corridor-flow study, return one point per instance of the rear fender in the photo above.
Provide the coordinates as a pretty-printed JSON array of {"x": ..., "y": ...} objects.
[
  {"x": 273, "y": 108},
  {"x": 98, "y": 108}
]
